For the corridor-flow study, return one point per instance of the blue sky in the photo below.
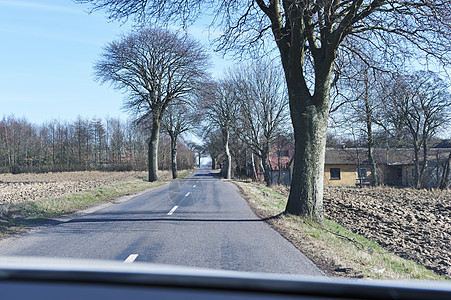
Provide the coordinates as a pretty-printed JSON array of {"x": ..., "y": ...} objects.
[{"x": 47, "y": 51}]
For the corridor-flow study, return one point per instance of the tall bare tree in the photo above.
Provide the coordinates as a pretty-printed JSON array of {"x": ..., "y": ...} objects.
[
  {"x": 419, "y": 102},
  {"x": 213, "y": 146},
  {"x": 177, "y": 120},
  {"x": 155, "y": 67},
  {"x": 263, "y": 108},
  {"x": 360, "y": 91},
  {"x": 220, "y": 105},
  {"x": 309, "y": 36}
]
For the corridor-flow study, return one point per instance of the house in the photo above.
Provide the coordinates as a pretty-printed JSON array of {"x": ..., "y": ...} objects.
[
  {"x": 350, "y": 166},
  {"x": 281, "y": 154},
  {"x": 345, "y": 167},
  {"x": 395, "y": 167}
]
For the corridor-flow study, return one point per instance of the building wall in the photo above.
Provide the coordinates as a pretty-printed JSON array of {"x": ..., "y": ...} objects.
[
  {"x": 282, "y": 156},
  {"x": 348, "y": 175}
]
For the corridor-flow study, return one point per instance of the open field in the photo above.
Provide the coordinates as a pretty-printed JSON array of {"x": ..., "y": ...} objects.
[
  {"x": 356, "y": 240},
  {"x": 414, "y": 224},
  {"x": 17, "y": 188}
]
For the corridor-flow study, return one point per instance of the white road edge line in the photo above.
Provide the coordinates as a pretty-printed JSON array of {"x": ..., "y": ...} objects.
[
  {"x": 131, "y": 258},
  {"x": 172, "y": 210},
  {"x": 187, "y": 194}
]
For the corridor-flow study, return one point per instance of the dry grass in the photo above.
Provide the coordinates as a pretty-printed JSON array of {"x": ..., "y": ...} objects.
[{"x": 336, "y": 250}]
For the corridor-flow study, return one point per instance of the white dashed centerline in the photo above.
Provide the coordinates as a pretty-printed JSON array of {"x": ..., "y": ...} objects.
[
  {"x": 172, "y": 210},
  {"x": 131, "y": 258},
  {"x": 175, "y": 207}
]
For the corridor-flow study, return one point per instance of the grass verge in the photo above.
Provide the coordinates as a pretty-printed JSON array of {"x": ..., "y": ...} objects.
[
  {"x": 333, "y": 248},
  {"x": 27, "y": 214}
]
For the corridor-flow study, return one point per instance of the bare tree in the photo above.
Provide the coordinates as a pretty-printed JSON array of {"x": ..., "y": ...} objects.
[
  {"x": 420, "y": 103},
  {"x": 213, "y": 146},
  {"x": 361, "y": 93},
  {"x": 263, "y": 108},
  {"x": 219, "y": 102},
  {"x": 155, "y": 67},
  {"x": 198, "y": 149},
  {"x": 177, "y": 120},
  {"x": 309, "y": 36}
]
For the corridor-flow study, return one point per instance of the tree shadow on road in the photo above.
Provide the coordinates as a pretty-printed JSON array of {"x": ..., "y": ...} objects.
[{"x": 171, "y": 219}]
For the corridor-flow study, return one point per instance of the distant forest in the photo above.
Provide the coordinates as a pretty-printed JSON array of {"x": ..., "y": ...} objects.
[{"x": 84, "y": 144}]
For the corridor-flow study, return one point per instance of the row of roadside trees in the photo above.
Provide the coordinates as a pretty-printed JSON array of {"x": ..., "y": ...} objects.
[
  {"x": 400, "y": 108},
  {"x": 247, "y": 117},
  {"x": 311, "y": 37},
  {"x": 245, "y": 113}
]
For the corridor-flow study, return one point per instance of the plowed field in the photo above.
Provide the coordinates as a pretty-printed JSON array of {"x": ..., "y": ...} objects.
[
  {"x": 415, "y": 224},
  {"x": 27, "y": 187}
]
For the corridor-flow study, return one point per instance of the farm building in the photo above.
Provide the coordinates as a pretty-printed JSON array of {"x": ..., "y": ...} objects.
[
  {"x": 395, "y": 167},
  {"x": 350, "y": 166}
]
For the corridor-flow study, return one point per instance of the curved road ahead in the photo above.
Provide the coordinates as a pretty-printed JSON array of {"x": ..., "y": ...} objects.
[{"x": 199, "y": 221}]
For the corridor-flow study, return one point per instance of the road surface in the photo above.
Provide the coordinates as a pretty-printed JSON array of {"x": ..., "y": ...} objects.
[{"x": 199, "y": 221}]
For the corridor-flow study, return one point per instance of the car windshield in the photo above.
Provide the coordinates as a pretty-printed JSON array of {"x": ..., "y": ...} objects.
[{"x": 315, "y": 142}]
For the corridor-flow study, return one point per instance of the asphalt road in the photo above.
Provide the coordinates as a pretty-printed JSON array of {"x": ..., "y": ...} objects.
[{"x": 199, "y": 221}]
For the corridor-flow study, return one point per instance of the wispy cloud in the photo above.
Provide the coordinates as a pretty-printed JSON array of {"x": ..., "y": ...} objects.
[{"x": 33, "y": 5}]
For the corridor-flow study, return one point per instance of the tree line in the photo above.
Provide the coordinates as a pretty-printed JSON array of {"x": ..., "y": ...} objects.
[
  {"x": 246, "y": 118},
  {"x": 245, "y": 113},
  {"x": 398, "y": 107},
  {"x": 84, "y": 144}
]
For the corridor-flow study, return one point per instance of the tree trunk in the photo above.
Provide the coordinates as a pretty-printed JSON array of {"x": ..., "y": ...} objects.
[
  {"x": 416, "y": 150},
  {"x": 254, "y": 168},
  {"x": 174, "y": 156},
  {"x": 266, "y": 174},
  {"x": 213, "y": 162},
  {"x": 369, "y": 123},
  {"x": 306, "y": 193},
  {"x": 423, "y": 170},
  {"x": 279, "y": 166},
  {"x": 445, "y": 175},
  {"x": 266, "y": 167},
  {"x": 227, "y": 172},
  {"x": 153, "y": 150},
  {"x": 309, "y": 115}
]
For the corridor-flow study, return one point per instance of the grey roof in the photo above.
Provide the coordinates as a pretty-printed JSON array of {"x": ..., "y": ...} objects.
[
  {"x": 382, "y": 156},
  {"x": 444, "y": 144}
]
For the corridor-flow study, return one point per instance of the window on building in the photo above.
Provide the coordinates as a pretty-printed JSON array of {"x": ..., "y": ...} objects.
[
  {"x": 362, "y": 173},
  {"x": 335, "y": 173}
]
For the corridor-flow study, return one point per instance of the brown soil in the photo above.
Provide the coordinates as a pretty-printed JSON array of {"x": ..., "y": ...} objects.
[
  {"x": 414, "y": 224},
  {"x": 28, "y": 187}
]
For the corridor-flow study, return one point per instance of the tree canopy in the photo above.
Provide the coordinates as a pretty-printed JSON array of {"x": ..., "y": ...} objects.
[{"x": 155, "y": 67}]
